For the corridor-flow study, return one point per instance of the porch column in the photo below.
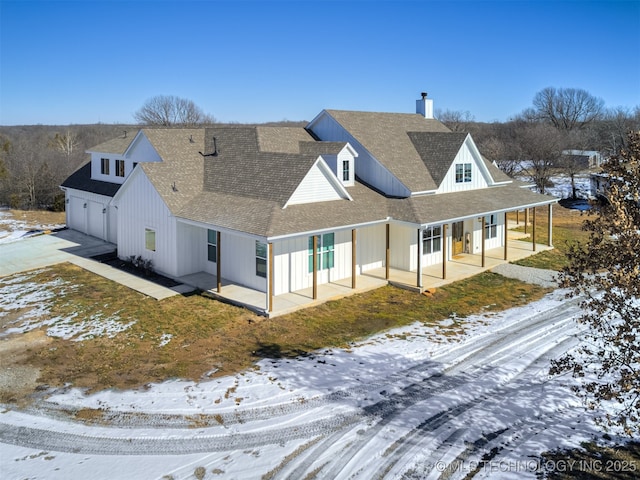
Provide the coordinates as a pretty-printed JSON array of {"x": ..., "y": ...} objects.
[
  {"x": 444, "y": 251},
  {"x": 387, "y": 255},
  {"x": 270, "y": 275},
  {"x": 218, "y": 264},
  {"x": 526, "y": 219},
  {"x": 533, "y": 229},
  {"x": 353, "y": 258},
  {"x": 550, "y": 218},
  {"x": 505, "y": 236},
  {"x": 484, "y": 224},
  {"x": 419, "y": 272},
  {"x": 315, "y": 267},
  {"x": 517, "y": 217}
]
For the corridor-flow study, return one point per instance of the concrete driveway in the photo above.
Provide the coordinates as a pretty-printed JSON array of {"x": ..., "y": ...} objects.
[
  {"x": 44, "y": 250},
  {"x": 77, "y": 248}
]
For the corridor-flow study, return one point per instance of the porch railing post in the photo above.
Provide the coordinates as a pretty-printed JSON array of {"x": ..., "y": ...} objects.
[
  {"x": 387, "y": 255},
  {"x": 444, "y": 251},
  {"x": 315, "y": 267},
  {"x": 484, "y": 238},
  {"x": 533, "y": 229},
  {"x": 218, "y": 263},
  {"x": 353, "y": 258}
]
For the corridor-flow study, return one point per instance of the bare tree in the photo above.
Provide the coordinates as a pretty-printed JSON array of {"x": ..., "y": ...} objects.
[
  {"x": 566, "y": 108},
  {"x": 169, "y": 110},
  {"x": 65, "y": 143},
  {"x": 606, "y": 272},
  {"x": 456, "y": 120},
  {"x": 541, "y": 147}
]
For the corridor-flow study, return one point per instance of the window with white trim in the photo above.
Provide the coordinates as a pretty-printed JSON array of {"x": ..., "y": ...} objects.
[
  {"x": 325, "y": 251},
  {"x": 463, "y": 172},
  {"x": 212, "y": 245},
  {"x": 431, "y": 240},
  {"x": 119, "y": 168},
  {"x": 104, "y": 166},
  {"x": 490, "y": 226},
  {"x": 346, "y": 174},
  {"x": 261, "y": 259},
  {"x": 150, "y": 239}
]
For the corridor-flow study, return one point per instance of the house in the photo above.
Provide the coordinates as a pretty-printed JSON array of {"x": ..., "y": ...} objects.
[
  {"x": 281, "y": 209},
  {"x": 583, "y": 158}
]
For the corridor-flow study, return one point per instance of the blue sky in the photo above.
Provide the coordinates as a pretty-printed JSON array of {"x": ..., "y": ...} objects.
[{"x": 94, "y": 61}]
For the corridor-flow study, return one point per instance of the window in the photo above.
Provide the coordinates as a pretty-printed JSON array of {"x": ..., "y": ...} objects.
[
  {"x": 345, "y": 171},
  {"x": 490, "y": 226},
  {"x": 120, "y": 168},
  {"x": 261, "y": 259},
  {"x": 212, "y": 245},
  {"x": 463, "y": 172},
  {"x": 104, "y": 166},
  {"x": 325, "y": 251},
  {"x": 150, "y": 239},
  {"x": 431, "y": 240}
]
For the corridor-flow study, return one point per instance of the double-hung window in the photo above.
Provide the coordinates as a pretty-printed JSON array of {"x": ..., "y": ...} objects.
[
  {"x": 212, "y": 245},
  {"x": 104, "y": 166},
  {"x": 345, "y": 171},
  {"x": 431, "y": 240},
  {"x": 491, "y": 226},
  {"x": 119, "y": 168},
  {"x": 325, "y": 251},
  {"x": 463, "y": 172},
  {"x": 261, "y": 259}
]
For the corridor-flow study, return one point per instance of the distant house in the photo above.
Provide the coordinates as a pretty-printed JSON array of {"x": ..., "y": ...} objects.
[
  {"x": 281, "y": 209},
  {"x": 584, "y": 158}
]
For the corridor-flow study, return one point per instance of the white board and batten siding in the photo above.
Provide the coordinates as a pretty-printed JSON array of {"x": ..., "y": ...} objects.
[
  {"x": 91, "y": 214},
  {"x": 366, "y": 166},
  {"x": 465, "y": 156},
  {"x": 140, "y": 207},
  {"x": 317, "y": 186}
]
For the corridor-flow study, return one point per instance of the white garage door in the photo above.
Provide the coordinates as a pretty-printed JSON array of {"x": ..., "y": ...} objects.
[
  {"x": 96, "y": 219},
  {"x": 76, "y": 214}
]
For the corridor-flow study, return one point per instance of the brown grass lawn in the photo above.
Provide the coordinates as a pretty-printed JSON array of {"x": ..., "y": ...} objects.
[
  {"x": 33, "y": 218},
  {"x": 211, "y": 336},
  {"x": 567, "y": 229}
]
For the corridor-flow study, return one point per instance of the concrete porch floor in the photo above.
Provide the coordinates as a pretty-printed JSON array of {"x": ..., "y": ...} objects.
[{"x": 462, "y": 266}]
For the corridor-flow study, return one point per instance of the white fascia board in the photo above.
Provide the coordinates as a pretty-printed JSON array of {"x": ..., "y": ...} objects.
[
  {"x": 134, "y": 141},
  {"x": 328, "y": 230},
  {"x": 217, "y": 228},
  {"x": 424, "y": 192},
  {"x": 351, "y": 150}
]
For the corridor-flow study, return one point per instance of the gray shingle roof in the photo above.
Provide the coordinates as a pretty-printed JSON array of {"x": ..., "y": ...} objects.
[
  {"x": 437, "y": 151},
  {"x": 81, "y": 180},
  {"x": 385, "y": 136},
  {"x": 116, "y": 145}
]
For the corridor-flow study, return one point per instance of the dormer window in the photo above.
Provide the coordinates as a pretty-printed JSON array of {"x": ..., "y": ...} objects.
[
  {"x": 463, "y": 172},
  {"x": 119, "y": 168},
  {"x": 346, "y": 170},
  {"x": 104, "y": 166}
]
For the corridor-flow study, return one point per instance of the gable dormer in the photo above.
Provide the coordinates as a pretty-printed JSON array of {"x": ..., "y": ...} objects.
[{"x": 320, "y": 184}]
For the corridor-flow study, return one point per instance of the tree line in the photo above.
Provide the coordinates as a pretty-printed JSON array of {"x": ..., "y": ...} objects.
[{"x": 35, "y": 160}]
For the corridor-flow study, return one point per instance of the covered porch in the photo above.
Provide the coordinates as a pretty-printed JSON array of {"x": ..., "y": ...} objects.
[{"x": 459, "y": 267}]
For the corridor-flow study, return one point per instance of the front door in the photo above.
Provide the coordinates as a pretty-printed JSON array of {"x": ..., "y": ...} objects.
[{"x": 457, "y": 238}]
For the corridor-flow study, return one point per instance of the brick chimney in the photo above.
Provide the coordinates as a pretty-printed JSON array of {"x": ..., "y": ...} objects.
[{"x": 424, "y": 106}]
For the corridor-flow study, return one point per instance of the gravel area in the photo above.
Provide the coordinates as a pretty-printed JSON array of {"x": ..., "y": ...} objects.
[{"x": 538, "y": 276}]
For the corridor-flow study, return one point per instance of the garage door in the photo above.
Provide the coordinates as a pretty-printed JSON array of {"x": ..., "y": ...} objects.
[
  {"x": 95, "y": 219},
  {"x": 76, "y": 214}
]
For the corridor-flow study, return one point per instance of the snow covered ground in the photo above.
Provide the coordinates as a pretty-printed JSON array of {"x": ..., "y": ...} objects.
[
  {"x": 17, "y": 229},
  {"x": 409, "y": 403}
]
